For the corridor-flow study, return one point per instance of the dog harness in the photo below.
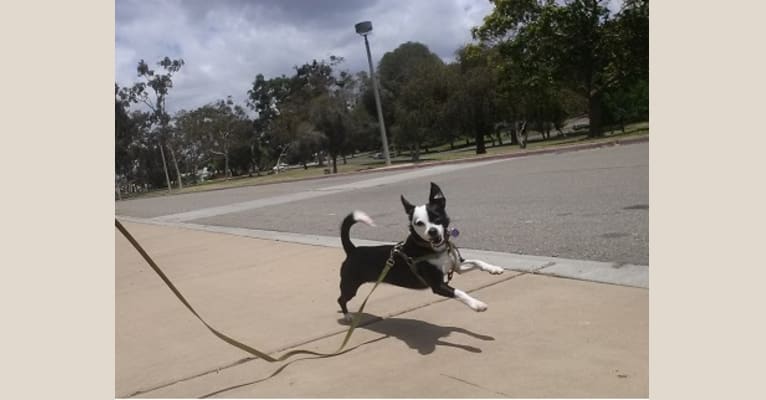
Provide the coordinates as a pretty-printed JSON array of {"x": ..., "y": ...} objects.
[{"x": 452, "y": 252}]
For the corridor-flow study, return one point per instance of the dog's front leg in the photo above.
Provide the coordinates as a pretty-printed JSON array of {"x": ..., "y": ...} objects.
[
  {"x": 468, "y": 265},
  {"x": 476, "y": 305},
  {"x": 445, "y": 290}
]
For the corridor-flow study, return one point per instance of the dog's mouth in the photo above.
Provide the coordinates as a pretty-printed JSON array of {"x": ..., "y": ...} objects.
[{"x": 436, "y": 242}]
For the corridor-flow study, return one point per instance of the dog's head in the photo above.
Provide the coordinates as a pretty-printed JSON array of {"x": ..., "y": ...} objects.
[{"x": 429, "y": 221}]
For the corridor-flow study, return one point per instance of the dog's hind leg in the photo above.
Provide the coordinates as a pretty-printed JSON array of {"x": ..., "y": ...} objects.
[{"x": 347, "y": 292}]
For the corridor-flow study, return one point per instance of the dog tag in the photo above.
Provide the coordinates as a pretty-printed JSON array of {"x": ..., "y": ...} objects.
[{"x": 454, "y": 232}]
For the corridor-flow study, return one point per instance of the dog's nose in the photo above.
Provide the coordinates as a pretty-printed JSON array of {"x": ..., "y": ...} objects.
[{"x": 432, "y": 232}]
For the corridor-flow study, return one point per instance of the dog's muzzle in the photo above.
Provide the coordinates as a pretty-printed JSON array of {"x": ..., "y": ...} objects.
[{"x": 437, "y": 241}]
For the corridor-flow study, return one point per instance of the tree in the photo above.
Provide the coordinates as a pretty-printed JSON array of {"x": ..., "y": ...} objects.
[
  {"x": 192, "y": 128},
  {"x": 265, "y": 97},
  {"x": 476, "y": 96},
  {"x": 363, "y": 133},
  {"x": 570, "y": 43},
  {"x": 410, "y": 73},
  {"x": 229, "y": 121},
  {"x": 628, "y": 100},
  {"x": 218, "y": 128},
  {"x": 310, "y": 103},
  {"x": 160, "y": 84},
  {"x": 329, "y": 116},
  {"x": 419, "y": 106},
  {"x": 144, "y": 167},
  {"x": 124, "y": 135}
]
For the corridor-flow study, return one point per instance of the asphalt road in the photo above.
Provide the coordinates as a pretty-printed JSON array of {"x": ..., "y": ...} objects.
[{"x": 589, "y": 204}]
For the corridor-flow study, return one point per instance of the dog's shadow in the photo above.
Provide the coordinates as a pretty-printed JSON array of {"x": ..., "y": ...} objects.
[{"x": 418, "y": 335}]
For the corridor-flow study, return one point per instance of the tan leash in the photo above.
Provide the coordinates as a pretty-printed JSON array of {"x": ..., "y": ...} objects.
[{"x": 389, "y": 263}]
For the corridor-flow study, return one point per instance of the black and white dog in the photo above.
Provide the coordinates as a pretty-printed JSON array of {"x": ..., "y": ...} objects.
[{"x": 428, "y": 240}]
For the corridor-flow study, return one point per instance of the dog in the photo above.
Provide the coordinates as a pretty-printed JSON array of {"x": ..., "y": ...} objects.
[{"x": 427, "y": 243}]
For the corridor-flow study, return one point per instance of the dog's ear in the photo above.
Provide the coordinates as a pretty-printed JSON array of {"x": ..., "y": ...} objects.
[
  {"x": 407, "y": 206},
  {"x": 436, "y": 196}
]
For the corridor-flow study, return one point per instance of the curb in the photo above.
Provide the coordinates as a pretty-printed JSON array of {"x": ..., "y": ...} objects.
[
  {"x": 592, "y": 271},
  {"x": 555, "y": 150}
]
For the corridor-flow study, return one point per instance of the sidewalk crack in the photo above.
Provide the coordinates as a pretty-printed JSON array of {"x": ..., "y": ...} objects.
[{"x": 475, "y": 385}]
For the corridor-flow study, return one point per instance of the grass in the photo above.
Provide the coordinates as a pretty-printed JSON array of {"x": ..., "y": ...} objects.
[{"x": 365, "y": 161}]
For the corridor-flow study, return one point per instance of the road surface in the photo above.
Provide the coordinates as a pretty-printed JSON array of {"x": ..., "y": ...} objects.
[{"x": 587, "y": 204}]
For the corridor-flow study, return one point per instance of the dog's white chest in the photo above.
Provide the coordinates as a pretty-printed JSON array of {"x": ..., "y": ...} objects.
[{"x": 444, "y": 262}]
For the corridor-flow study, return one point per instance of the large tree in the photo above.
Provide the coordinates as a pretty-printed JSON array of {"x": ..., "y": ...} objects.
[
  {"x": 218, "y": 128},
  {"x": 160, "y": 85},
  {"x": 411, "y": 73},
  {"x": 266, "y": 97},
  {"x": 309, "y": 109},
  {"x": 476, "y": 95},
  {"x": 572, "y": 43},
  {"x": 124, "y": 135}
]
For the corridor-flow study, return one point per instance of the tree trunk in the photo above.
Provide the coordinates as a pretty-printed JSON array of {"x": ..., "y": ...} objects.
[
  {"x": 480, "y": 128},
  {"x": 165, "y": 167},
  {"x": 523, "y": 134},
  {"x": 334, "y": 163},
  {"x": 344, "y": 159},
  {"x": 514, "y": 137},
  {"x": 252, "y": 160},
  {"x": 175, "y": 164},
  {"x": 416, "y": 152},
  {"x": 594, "y": 114},
  {"x": 480, "y": 147},
  {"x": 226, "y": 170}
]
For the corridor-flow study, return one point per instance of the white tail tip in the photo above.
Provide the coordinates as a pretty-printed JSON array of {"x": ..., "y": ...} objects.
[{"x": 360, "y": 216}]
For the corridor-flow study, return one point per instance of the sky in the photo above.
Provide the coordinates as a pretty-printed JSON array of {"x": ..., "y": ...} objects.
[{"x": 225, "y": 43}]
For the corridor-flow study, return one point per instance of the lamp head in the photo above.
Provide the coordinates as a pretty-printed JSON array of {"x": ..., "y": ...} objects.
[{"x": 363, "y": 28}]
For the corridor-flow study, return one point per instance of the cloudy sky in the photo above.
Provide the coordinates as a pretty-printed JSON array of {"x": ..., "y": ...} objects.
[{"x": 226, "y": 43}]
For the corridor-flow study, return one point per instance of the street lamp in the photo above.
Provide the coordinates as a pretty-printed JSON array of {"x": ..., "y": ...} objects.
[{"x": 364, "y": 28}]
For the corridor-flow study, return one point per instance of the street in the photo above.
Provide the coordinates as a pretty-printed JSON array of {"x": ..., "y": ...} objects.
[{"x": 588, "y": 204}]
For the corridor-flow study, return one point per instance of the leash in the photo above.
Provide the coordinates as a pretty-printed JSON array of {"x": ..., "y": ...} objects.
[{"x": 248, "y": 349}]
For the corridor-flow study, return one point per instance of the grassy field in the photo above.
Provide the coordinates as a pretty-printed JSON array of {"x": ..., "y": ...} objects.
[{"x": 364, "y": 161}]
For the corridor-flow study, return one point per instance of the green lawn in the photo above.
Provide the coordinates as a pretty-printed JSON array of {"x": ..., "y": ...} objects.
[{"x": 365, "y": 161}]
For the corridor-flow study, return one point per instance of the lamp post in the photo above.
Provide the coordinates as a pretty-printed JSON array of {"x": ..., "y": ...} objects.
[{"x": 364, "y": 28}]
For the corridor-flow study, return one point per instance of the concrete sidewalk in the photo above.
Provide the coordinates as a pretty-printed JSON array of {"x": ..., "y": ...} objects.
[{"x": 541, "y": 337}]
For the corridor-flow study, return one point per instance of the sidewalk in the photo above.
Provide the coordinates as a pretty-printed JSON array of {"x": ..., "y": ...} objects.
[{"x": 541, "y": 337}]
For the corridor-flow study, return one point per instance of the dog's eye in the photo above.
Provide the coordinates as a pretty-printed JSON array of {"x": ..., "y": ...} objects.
[{"x": 419, "y": 223}]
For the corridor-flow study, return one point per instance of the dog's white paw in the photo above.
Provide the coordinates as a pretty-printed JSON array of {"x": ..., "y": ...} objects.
[
  {"x": 479, "y": 306},
  {"x": 494, "y": 270}
]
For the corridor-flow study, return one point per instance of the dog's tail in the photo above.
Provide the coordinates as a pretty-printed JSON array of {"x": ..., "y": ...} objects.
[{"x": 345, "y": 227}]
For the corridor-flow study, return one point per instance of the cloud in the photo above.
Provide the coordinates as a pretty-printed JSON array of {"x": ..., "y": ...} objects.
[{"x": 226, "y": 43}]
